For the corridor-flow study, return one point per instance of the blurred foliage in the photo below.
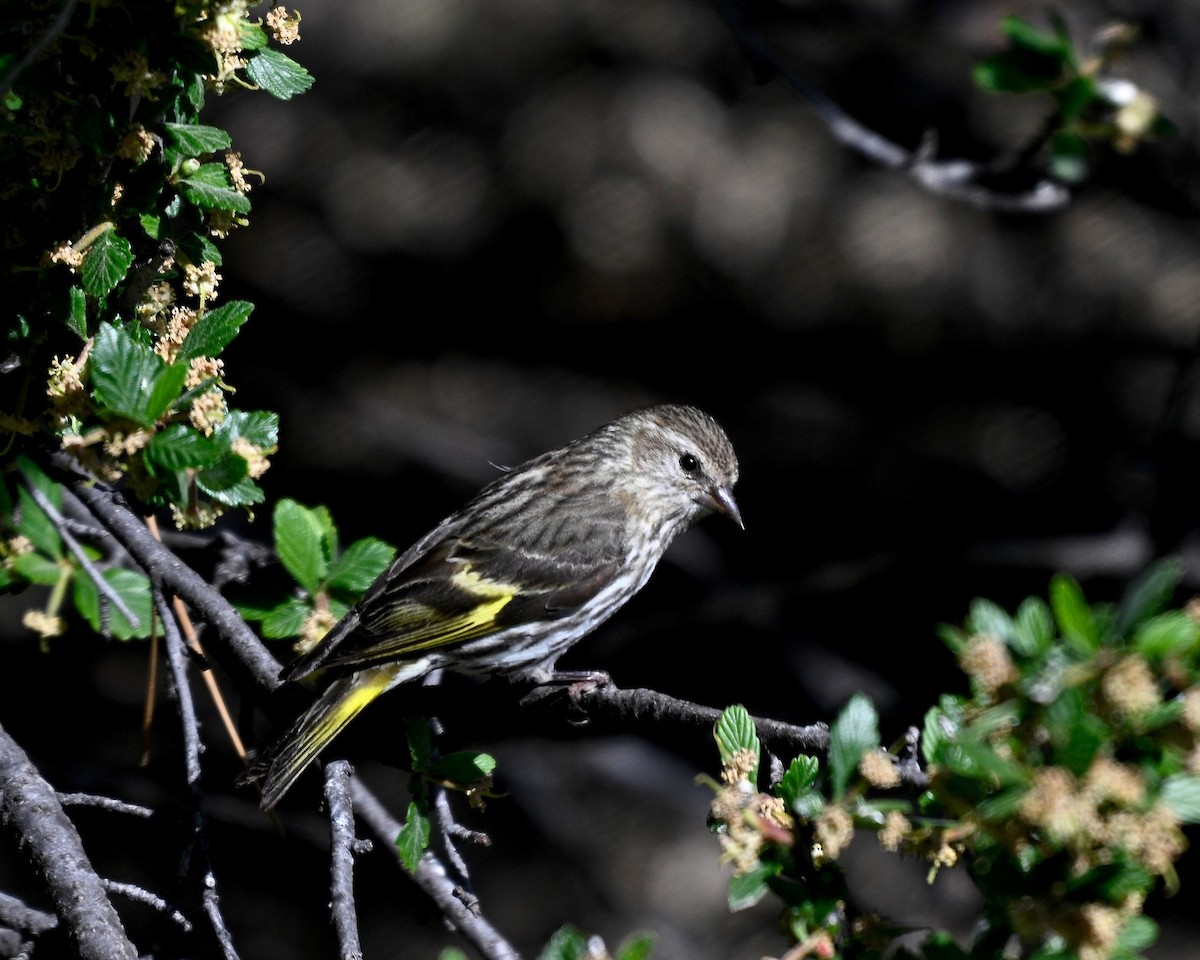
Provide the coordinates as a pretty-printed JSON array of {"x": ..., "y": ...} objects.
[
  {"x": 1093, "y": 104},
  {"x": 1062, "y": 784}
]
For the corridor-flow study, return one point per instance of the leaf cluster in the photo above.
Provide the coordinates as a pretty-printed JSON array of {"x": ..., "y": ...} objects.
[
  {"x": 1062, "y": 781},
  {"x": 1092, "y": 104}
]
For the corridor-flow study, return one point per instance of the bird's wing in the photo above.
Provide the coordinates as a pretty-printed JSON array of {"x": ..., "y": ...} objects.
[{"x": 459, "y": 590}]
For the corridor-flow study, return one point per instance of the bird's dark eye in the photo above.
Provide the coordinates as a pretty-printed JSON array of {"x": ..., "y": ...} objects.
[{"x": 689, "y": 463}]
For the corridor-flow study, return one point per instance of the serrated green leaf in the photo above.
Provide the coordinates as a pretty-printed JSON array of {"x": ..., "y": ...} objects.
[
  {"x": 123, "y": 374},
  {"x": 77, "y": 312},
  {"x": 198, "y": 248},
  {"x": 132, "y": 586},
  {"x": 567, "y": 943},
  {"x": 105, "y": 263},
  {"x": 186, "y": 140},
  {"x": 302, "y": 542},
  {"x": 359, "y": 566},
  {"x": 209, "y": 188},
  {"x": 212, "y": 332},
  {"x": 286, "y": 620},
  {"x": 151, "y": 225},
  {"x": 745, "y": 890},
  {"x": 180, "y": 446},
  {"x": 463, "y": 766},
  {"x": 254, "y": 37},
  {"x": 1075, "y": 619},
  {"x": 979, "y": 761},
  {"x": 413, "y": 840},
  {"x": 855, "y": 731},
  {"x": 734, "y": 732},
  {"x": 38, "y": 568},
  {"x": 279, "y": 75},
  {"x": 259, "y": 427},
  {"x": 801, "y": 774},
  {"x": 1149, "y": 593},
  {"x": 1182, "y": 794},
  {"x": 807, "y": 805},
  {"x": 165, "y": 391},
  {"x": 219, "y": 483}
]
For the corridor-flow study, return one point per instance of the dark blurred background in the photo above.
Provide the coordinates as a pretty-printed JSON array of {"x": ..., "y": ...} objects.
[{"x": 490, "y": 227}]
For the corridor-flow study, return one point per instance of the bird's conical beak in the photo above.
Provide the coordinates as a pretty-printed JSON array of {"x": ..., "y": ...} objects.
[{"x": 723, "y": 502}]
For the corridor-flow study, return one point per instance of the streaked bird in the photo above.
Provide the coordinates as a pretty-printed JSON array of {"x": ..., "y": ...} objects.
[{"x": 505, "y": 585}]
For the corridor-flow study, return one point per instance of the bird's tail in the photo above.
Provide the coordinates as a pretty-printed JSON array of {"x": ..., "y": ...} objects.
[{"x": 341, "y": 702}]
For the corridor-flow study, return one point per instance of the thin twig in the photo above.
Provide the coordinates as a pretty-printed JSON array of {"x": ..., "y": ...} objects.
[
  {"x": 342, "y": 849},
  {"x": 177, "y": 664},
  {"x": 432, "y": 878},
  {"x": 18, "y": 915},
  {"x": 104, "y": 803},
  {"x": 105, "y": 588},
  {"x": 132, "y": 891},
  {"x": 651, "y": 706}
]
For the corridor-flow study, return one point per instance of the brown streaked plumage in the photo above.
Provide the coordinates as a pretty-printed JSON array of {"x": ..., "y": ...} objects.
[{"x": 508, "y": 583}]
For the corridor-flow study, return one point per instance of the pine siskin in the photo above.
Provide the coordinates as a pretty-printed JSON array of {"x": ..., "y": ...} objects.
[{"x": 538, "y": 559}]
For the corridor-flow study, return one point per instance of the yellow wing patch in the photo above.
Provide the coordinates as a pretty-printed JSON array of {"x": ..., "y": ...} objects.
[{"x": 408, "y": 628}]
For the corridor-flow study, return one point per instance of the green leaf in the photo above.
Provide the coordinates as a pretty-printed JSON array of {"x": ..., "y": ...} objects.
[
  {"x": 1076, "y": 622},
  {"x": 989, "y": 619},
  {"x": 165, "y": 391},
  {"x": 1017, "y": 71},
  {"x": 34, "y": 524},
  {"x": 123, "y": 374},
  {"x": 213, "y": 331},
  {"x": 1025, "y": 36},
  {"x": 1138, "y": 933},
  {"x": 413, "y": 839},
  {"x": 1173, "y": 633},
  {"x": 979, "y": 761},
  {"x": 242, "y": 493},
  {"x": 198, "y": 248},
  {"x": 1075, "y": 96},
  {"x": 209, "y": 187},
  {"x": 105, "y": 263},
  {"x": 151, "y": 224},
  {"x": 38, "y": 568},
  {"x": 77, "y": 312},
  {"x": 638, "y": 947},
  {"x": 279, "y": 75},
  {"x": 254, "y": 37},
  {"x": 807, "y": 805},
  {"x": 360, "y": 565},
  {"x": 1149, "y": 593},
  {"x": 748, "y": 888},
  {"x": 131, "y": 586},
  {"x": 855, "y": 731},
  {"x": 286, "y": 620},
  {"x": 1182, "y": 794},
  {"x": 225, "y": 474},
  {"x": 800, "y": 776},
  {"x": 260, "y": 427},
  {"x": 180, "y": 446},
  {"x": 567, "y": 943},
  {"x": 1034, "y": 628},
  {"x": 303, "y": 538},
  {"x": 463, "y": 767},
  {"x": 734, "y": 732},
  {"x": 186, "y": 140}
]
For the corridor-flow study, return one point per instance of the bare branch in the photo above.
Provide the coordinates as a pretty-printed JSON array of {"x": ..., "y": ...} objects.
[
  {"x": 29, "y": 805},
  {"x": 246, "y": 658},
  {"x": 585, "y": 701},
  {"x": 343, "y": 847},
  {"x": 133, "y": 892},
  {"x": 104, "y": 803},
  {"x": 956, "y": 179},
  {"x": 18, "y": 915},
  {"x": 432, "y": 878}
]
